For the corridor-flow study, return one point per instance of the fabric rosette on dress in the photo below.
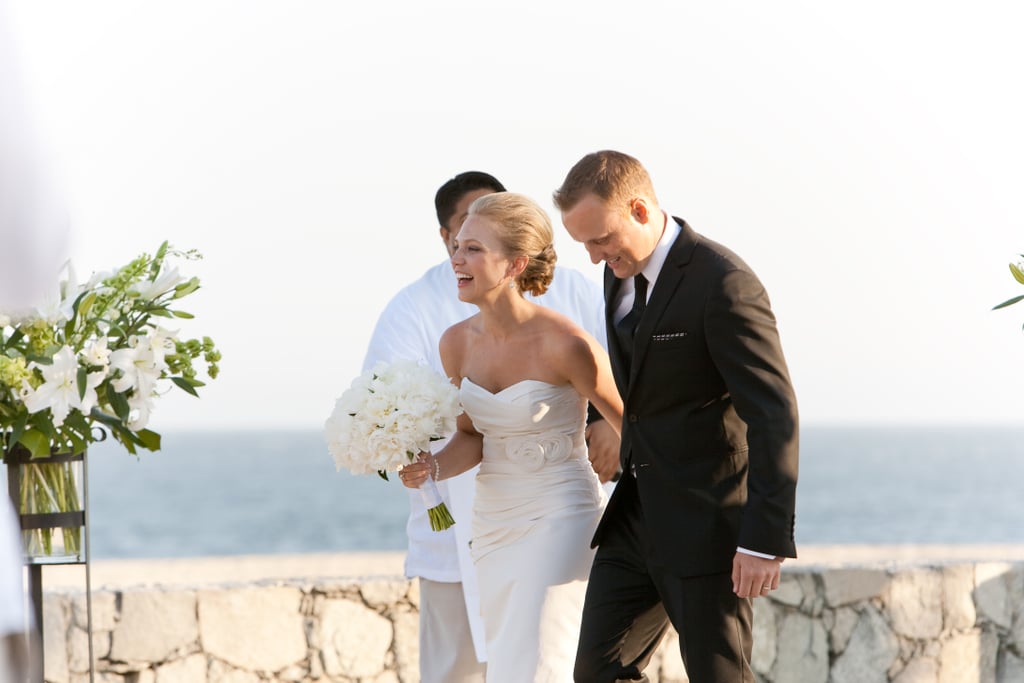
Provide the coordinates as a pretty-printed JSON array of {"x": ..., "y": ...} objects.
[{"x": 388, "y": 416}]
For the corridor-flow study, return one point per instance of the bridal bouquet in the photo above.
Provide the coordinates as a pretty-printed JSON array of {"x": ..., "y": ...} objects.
[{"x": 386, "y": 417}]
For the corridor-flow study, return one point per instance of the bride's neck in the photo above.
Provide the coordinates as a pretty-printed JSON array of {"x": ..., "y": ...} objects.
[{"x": 505, "y": 316}]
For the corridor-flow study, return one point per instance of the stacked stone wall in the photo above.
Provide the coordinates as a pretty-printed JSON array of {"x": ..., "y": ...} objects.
[{"x": 957, "y": 623}]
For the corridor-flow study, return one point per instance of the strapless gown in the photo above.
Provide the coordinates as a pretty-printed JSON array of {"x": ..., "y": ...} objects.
[{"x": 537, "y": 504}]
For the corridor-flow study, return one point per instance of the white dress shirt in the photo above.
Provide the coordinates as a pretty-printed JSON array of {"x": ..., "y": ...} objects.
[{"x": 410, "y": 327}]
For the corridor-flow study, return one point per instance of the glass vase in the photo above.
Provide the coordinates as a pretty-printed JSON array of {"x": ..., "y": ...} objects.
[{"x": 47, "y": 493}]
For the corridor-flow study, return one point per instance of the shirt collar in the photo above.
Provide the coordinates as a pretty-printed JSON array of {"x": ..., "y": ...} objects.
[{"x": 660, "y": 253}]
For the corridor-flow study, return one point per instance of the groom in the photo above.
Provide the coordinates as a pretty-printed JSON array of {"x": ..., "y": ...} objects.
[{"x": 703, "y": 514}]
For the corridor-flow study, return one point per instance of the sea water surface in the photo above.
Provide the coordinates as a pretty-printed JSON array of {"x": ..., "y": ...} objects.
[{"x": 252, "y": 492}]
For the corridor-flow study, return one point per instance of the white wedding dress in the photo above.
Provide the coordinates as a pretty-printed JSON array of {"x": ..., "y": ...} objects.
[{"x": 537, "y": 504}]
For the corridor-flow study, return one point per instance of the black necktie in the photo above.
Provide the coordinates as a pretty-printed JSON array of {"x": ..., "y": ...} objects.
[{"x": 625, "y": 328}]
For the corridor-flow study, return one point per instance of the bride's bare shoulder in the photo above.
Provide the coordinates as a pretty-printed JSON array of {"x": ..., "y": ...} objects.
[
  {"x": 562, "y": 326},
  {"x": 563, "y": 336},
  {"x": 454, "y": 338}
]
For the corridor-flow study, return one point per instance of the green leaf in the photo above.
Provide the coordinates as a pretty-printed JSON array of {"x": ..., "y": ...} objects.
[
  {"x": 160, "y": 312},
  {"x": 124, "y": 436},
  {"x": 119, "y": 403},
  {"x": 184, "y": 384},
  {"x": 19, "y": 428},
  {"x": 1018, "y": 274},
  {"x": 150, "y": 439},
  {"x": 84, "y": 304},
  {"x": 382, "y": 474},
  {"x": 36, "y": 442},
  {"x": 185, "y": 288},
  {"x": 78, "y": 424},
  {"x": 83, "y": 378},
  {"x": 1008, "y": 302},
  {"x": 78, "y": 444},
  {"x": 182, "y": 314}
]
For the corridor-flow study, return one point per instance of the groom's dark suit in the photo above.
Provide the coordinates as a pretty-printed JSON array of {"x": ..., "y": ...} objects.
[{"x": 709, "y": 457}]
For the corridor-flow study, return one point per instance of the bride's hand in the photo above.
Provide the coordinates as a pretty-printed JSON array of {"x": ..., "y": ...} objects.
[{"x": 415, "y": 473}]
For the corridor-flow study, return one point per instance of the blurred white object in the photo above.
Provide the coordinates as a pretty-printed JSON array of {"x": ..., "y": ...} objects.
[{"x": 33, "y": 215}]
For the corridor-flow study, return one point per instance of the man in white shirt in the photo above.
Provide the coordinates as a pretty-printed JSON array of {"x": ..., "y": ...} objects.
[{"x": 451, "y": 631}]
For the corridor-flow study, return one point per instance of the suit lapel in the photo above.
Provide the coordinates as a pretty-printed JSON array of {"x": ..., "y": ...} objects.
[{"x": 669, "y": 280}]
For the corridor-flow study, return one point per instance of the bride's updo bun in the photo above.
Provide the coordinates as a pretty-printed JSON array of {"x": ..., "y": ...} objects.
[{"x": 524, "y": 229}]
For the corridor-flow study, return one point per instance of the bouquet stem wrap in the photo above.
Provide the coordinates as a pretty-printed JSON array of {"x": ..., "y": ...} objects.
[{"x": 437, "y": 511}]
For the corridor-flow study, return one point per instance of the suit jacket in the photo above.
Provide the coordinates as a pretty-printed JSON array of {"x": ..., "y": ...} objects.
[{"x": 710, "y": 426}]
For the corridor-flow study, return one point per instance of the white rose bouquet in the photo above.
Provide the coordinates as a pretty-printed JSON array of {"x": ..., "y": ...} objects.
[{"x": 386, "y": 417}]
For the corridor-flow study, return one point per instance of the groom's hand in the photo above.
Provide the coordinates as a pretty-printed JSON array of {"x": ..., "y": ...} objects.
[
  {"x": 603, "y": 449},
  {"x": 754, "y": 577}
]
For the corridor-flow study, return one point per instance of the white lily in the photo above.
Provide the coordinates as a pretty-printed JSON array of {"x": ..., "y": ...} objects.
[
  {"x": 141, "y": 407},
  {"x": 161, "y": 342},
  {"x": 96, "y": 353},
  {"x": 59, "y": 390},
  {"x": 139, "y": 367},
  {"x": 167, "y": 281},
  {"x": 58, "y": 309}
]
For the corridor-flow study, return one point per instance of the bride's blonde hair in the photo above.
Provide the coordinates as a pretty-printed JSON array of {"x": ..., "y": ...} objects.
[{"x": 524, "y": 230}]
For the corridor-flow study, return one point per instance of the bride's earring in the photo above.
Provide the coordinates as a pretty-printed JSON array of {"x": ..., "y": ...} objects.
[{"x": 511, "y": 284}]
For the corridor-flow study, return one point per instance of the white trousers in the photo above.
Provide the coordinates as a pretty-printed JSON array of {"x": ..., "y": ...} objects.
[{"x": 446, "y": 646}]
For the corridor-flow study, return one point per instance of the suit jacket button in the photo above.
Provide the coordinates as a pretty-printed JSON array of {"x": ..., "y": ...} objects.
[{"x": 633, "y": 418}]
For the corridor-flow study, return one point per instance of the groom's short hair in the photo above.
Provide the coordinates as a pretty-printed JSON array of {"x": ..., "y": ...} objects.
[
  {"x": 449, "y": 194},
  {"x": 616, "y": 178}
]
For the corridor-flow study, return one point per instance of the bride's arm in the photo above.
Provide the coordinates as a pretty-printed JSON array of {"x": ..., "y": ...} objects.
[
  {"x": 590, "y": 372},
  {"x": 462, "y": 452},
  {"x": 465, "y": 448}
]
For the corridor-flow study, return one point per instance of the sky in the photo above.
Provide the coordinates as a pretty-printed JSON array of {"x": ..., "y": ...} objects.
[{"x": 864, "y": 159}]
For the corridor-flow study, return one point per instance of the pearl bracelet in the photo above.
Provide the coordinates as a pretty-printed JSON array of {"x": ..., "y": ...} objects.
[{"x": 437, "y": 468}]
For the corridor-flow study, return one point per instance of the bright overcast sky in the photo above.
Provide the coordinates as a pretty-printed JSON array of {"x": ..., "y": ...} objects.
[{"x": 864, "y": 159}]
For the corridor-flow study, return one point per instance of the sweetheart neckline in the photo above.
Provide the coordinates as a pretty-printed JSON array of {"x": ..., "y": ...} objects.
[{"x": 513, "y": 385}]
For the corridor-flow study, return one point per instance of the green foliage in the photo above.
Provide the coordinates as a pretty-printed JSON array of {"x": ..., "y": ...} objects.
[
  {"x": 1017, "y": 269},
  {"x": 94, "y": 359}
]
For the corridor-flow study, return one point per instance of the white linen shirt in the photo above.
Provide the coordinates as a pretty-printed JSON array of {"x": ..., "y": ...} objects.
[{"x": 410, "y": 327}]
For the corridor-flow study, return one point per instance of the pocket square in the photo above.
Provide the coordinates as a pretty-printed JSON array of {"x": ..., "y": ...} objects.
[{"x": 667, "y": 336}]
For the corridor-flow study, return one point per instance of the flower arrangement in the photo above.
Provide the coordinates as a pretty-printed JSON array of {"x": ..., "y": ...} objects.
[
  {"x": 91, "y": 361},
  {"x": 1017, "y": 269},
  {"x": 388, "y": 416}
]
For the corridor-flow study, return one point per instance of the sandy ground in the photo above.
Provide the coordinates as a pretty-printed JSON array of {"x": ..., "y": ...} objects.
[{"x": 197, "y": 571}]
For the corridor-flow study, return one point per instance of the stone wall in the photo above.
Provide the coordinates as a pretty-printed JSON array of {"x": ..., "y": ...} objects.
[{"x": 957, "y": 623}]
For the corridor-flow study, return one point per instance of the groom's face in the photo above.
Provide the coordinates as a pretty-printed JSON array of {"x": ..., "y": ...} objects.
[{"x": 616, "y": 235}]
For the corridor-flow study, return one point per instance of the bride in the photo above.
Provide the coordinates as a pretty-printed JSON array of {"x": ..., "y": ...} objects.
[{"x": 525, "y": 375}]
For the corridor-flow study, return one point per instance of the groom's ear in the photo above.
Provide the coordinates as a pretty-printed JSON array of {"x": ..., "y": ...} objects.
[{"x": 639, "y": 210}]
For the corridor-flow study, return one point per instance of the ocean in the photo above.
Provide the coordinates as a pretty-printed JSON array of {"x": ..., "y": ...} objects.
[{"x": 252, "y": 492}]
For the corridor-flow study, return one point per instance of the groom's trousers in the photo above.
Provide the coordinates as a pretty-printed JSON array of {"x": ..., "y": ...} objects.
[{"x": 632, "y": 598}]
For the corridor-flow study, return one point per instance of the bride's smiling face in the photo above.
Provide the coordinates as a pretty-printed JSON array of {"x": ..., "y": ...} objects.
[{"x": 478, "y": 260}]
